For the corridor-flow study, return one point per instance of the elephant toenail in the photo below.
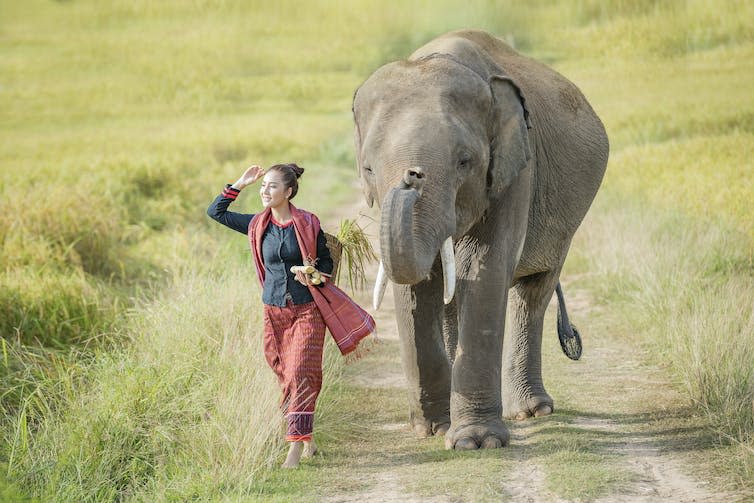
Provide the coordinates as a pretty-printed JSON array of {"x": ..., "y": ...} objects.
[
  {"x": 466, "y": 444},
  {"x": 441, "y": 429},
  {"x": 522, "y": 415},
  {"x": 491, "y": 443},
  {"x": 543, "y": 410}
]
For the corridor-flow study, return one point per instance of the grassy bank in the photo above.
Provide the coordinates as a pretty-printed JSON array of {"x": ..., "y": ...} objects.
[
  {"x": 120, "y": 123},
  {"x": 679, "y": 285},
  {"x": 668, "y": 247},
  {"x": 186, "y": 409}
]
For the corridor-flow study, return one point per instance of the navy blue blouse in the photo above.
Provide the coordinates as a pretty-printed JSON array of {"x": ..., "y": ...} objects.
[{"x": 280, "y": 251}]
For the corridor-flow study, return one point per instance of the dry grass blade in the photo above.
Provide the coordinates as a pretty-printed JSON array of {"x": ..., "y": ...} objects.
[{"x": 354, "y": 251}]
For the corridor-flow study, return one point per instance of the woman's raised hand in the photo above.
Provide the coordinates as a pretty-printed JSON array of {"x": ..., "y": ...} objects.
[{"x": 251, "y": 175}]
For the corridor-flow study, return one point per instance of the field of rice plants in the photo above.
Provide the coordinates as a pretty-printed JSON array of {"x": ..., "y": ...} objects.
[{"x": 130, "y": 322}]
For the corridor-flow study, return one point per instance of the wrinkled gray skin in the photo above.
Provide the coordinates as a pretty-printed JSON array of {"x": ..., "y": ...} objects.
[{"x": 510, "y": 156}]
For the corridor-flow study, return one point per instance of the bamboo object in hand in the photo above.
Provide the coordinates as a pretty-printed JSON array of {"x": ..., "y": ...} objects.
[
  {"x": 306, "y": 269},
  {"x": 313, "y": 274}
]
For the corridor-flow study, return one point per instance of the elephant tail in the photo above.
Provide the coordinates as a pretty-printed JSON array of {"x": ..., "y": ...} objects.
[{"x": 570, "y": 340}]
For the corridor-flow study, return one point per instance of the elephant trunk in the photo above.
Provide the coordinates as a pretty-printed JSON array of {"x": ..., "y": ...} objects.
[
  {"x": 403, "y": 262},
  {"x": 447, "y": 257},
  {"x": 406, "y": 257}
]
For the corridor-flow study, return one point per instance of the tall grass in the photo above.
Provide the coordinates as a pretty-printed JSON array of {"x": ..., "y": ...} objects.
[
  {"x": 187, "y": 409},
  {"x": 122, "y": 120},
  {"x": 118, "y": 119},
  {"x": 120, "y": 123},
  {"x": 681, "y": 286},
  {"x": 669, "y": 243}
]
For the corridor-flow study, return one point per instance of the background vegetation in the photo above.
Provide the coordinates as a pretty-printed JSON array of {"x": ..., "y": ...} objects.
[{"x": 129, "y": 324}]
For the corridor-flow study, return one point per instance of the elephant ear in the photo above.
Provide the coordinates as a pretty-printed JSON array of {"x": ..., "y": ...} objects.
[
  {"x": 366, "y": 187},
  {"x": 509, "y": 144}
]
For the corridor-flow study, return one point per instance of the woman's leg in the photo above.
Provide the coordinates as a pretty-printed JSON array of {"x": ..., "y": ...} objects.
[
  {"x": 298, "y": 450},
  {"x": 302, "y": 363},
  {"x": 294, "y": 455},
  {"x": 293, "y": 342},
  {"x": 275, "y": 323},
  {"x": 310, "y": 449}
]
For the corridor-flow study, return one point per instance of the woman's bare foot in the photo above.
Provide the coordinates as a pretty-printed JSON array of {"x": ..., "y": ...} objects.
[
  {"x": 310, "y": 449},
  {"x": 294, "y": 455}
]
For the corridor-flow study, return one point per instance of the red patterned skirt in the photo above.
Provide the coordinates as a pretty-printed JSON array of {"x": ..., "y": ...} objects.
[{"x": 294, "y": 336}]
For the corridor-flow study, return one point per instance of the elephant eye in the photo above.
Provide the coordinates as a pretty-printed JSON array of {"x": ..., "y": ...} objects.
[
  {"x": 464, "y": 160},
  {"x": 367, "y": 169}
]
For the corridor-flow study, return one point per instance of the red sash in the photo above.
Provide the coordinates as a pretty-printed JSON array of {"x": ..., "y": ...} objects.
[{"x": 347, "y": 322}]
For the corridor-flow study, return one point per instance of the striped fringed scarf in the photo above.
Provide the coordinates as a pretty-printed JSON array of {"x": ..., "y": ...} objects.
[{"x": 347, "y": 322}]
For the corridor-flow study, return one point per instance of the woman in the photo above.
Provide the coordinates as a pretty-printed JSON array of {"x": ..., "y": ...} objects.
[{"x": 293, "y": 326}]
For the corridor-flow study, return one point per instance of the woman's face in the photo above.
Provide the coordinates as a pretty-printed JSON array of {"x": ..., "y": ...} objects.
[{"x": 273, "y": 190}]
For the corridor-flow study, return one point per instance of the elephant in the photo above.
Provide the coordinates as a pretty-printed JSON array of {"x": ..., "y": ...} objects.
[{"x": 483, "y": 163}]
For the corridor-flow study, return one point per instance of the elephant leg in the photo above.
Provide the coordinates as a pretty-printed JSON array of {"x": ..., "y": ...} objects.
[
  {"x": 475, "y": 400},
  {"x": 486, "y": 262},
  {"x": 425, "y": 362},
  {"x": 524, "y": 393}
]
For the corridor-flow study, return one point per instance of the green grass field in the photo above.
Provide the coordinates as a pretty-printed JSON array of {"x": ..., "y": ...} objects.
[{"x": 120, "y": 121}]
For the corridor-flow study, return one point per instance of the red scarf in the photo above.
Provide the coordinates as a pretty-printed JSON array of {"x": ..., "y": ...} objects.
[{"x": 347, "y": 321}]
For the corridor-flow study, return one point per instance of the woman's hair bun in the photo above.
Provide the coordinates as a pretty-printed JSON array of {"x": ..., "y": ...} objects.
[{"x": 297, "y": 169}]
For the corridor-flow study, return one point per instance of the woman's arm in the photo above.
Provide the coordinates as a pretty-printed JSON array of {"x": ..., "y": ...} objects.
[{"x": 218, "y": 211}]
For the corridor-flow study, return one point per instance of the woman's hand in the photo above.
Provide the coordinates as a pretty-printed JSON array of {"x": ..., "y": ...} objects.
[
  {"x": 251, "y": 175},
  {"x": 303, "y": 278}
]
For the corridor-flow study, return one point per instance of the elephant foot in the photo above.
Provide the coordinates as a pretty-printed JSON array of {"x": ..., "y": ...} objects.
[
  {"x": 537, "y": 406},
  {"x": 491, "y": 434},
  {"x": 427, "y": 427}
]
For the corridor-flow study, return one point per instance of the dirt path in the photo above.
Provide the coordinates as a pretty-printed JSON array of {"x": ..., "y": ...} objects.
[{"x": 620, "y": 432}]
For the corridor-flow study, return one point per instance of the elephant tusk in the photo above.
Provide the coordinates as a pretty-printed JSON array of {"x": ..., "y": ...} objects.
[
  {"x": 448, "y": 257},
  {"x": 379, "y": 287}
]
